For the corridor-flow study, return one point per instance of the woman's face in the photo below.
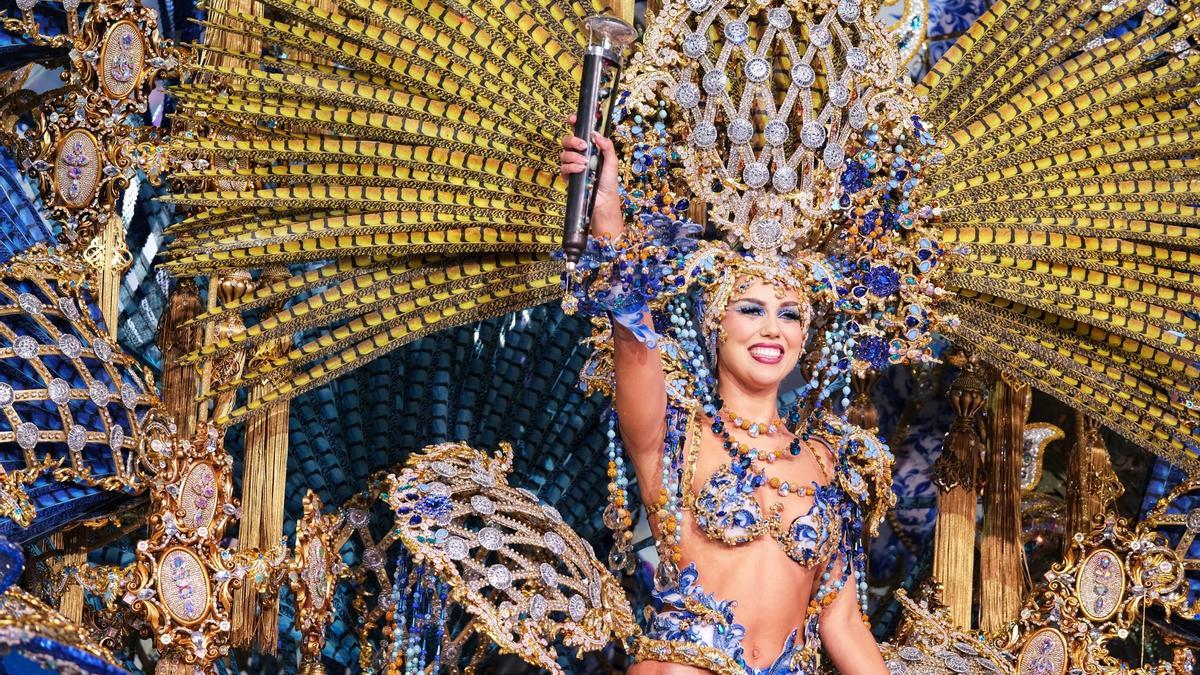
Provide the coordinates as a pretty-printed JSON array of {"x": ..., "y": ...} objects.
[{"x": 765, "y": 334}]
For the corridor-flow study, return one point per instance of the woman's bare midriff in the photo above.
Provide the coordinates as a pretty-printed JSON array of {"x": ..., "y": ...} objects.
[{"x": 771, "y": 590}]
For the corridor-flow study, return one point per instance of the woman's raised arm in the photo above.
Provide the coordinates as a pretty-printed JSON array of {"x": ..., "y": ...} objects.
[{"x": 641, "y": 397}]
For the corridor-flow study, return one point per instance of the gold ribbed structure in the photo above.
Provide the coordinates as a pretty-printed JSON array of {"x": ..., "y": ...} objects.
[
  {"x": 1092, "y": 485},
  {"x": 958, "y": 497},
  {"x": 176, "y": 337},
  {"x": 263, "y": 484},
  {"x": 1001, "y": 549}
]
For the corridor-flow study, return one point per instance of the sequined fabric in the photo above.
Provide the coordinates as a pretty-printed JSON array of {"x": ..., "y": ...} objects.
[{"x": 687, "y": 616}]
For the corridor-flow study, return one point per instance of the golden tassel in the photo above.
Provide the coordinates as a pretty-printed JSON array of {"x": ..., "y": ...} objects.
[
  {"x": 955, "y": 476},
  {"x": 265, "y": 467},
  {"x": 230, "y": 286},
  {"x": 312, "y": 667},
  {"x": 180, "y": 383},
  {"x": 1092, "y": 485},
  {"x": 1001, "y": 554},
  {"x": 862, "y": 412},
  {"x": 74, "y": 555}
]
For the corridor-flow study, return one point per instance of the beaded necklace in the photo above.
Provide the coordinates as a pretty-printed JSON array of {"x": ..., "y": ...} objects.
[{"x": 746, "y": 455}]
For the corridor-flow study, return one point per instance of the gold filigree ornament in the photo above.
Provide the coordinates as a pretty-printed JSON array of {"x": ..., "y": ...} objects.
[
  {"x": 928, "y": 642},
  {"x": 766, "y": 160},
  {"x": 73, "y": 140},
  {"x": 1176, "y": 518},
  {"x": 182, "y": 578},
  {"x": 75, "y": 402},
  {"x": 511, "y": 562},
  {"x": 31, "y": 629},
  {"x": 1100, "y": 591},
  {"x": 315, "y": 569}
]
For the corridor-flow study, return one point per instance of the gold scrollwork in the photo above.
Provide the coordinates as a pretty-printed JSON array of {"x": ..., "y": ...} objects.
[
  {"x": 316, "y": 568},
  {"x": 77, "y": 141},
  {"x": 183, "y": 578}
]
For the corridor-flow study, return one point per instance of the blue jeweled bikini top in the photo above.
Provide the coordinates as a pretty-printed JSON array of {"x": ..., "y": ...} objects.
[{"x": 726, "y": 510}]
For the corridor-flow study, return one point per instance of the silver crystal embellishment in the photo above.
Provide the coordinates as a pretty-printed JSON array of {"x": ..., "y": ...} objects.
[
  {"x": 848, "y": 10},
  {"x": 76, "y": 437},
  {"x": 776, "y": 132},
  {"x": 59, "y": 391},
  {"x": 757, "y": 69},
  {"x": 499, "y": 577},
  {"x": 30, "y": 303},
  {"x": 695, "y": 45},
  {"x": 756, "y": 175},
  {"x": 688, "y": 95},
  {"x": 779, "y": 18},
  {"x": 576, "y": 608},
  {"x": 784, "y": 180},
  {"x": 98, "y": 392},
  {"x": 766, "y": 233},
  {"x": 25, "y": 347},
  {"x": 490, "y": 538},
  {"x": 537, "y": 606},
  {"x": 482, "y": 505},
  {"x": 821, "y": 36},
  {"x": 103, "y": 350},
  {"x": 812, "y": 134},
  {"x": 27, "y": 435},
  {"x": 704, "y": 135},
  {"x": 740, "y": 131},
  {"x": 839, "y": 94},
  {"x": 714, "y": 82},
  {"x": 456, "y": 548},
  {"x": 804, "y": 75},
  {"x": 856, "y": 58},
  {"x": 443, "y": 468},
  {"x": 554, "y": 542},
  {"x": 69, "y": 309},
  {"x": 737, "y": 32},
  {"x": 70, "y": 346}
]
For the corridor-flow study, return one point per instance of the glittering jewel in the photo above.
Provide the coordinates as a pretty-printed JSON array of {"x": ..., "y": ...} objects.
[{"x": 752, "y": 427}]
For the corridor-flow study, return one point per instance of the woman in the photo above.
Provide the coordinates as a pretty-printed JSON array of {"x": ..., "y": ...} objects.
[{"x": 771, "y": 568}]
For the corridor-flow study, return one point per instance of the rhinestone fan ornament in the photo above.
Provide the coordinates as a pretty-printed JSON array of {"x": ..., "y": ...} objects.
[{"x": 773, "y": 96}]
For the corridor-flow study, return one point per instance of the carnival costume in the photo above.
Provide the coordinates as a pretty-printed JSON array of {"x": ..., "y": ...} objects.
[{"x": 1032, "y": 198}]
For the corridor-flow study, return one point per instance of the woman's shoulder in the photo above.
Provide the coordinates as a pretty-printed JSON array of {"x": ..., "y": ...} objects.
[{"x": 863, "y": 464}]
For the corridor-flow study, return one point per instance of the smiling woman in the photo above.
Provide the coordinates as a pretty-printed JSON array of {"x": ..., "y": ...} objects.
[{"x": 733, "y": 476}]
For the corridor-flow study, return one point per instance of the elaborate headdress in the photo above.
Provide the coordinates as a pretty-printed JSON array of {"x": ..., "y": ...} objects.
[{"x": 797, "y": 127}]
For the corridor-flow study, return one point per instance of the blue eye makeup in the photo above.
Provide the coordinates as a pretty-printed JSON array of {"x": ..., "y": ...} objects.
[
  {"x": 749, "y": 309},
  {"x": 790, "y": 315}
]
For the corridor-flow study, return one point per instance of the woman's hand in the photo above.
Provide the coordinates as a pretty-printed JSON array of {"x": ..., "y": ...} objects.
[{"x": 606, "y": 220}]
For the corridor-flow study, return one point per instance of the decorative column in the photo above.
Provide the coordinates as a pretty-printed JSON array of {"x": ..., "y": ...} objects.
[
  {"x": 955, "y": 476},
  {"x": 1001, "y": 553},
  {"x": 263, "y": 471}
]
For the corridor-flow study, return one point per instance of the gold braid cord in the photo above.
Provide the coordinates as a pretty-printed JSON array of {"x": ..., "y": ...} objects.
[
  {"x": 1070, "y": 182},
  {"x": 422, "y": 176}
]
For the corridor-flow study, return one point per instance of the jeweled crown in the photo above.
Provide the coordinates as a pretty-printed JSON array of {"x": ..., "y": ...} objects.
[{"x": 773, "y": 96}]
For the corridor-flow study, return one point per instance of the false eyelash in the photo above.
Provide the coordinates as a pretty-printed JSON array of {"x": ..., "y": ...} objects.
[{"x": 750, "y": 310}]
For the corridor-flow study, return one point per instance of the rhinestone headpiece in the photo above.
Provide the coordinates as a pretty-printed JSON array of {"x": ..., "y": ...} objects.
[{"x": 773, "y": 94}]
